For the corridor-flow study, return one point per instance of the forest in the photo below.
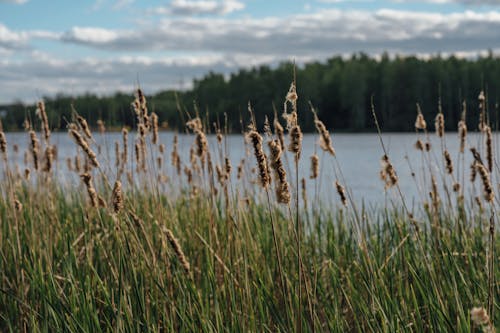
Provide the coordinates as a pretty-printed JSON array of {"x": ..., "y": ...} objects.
[{"x": 340, "y": 90}]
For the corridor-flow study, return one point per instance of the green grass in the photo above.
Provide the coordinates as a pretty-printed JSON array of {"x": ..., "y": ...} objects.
[{"x": 67, "y": 267}]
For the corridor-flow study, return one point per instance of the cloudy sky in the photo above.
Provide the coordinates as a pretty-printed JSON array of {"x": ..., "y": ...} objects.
[{"x": 102, "y": 46}]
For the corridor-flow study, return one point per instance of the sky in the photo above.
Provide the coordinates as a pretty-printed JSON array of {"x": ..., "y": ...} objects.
[{"x": 104, "y": 46}]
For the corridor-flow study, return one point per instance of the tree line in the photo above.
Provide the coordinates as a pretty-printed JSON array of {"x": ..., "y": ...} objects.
[{"x": 340, "y": 89}]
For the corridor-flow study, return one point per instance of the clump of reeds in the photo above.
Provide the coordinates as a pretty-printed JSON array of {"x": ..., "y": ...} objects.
[
  {"x": 341, "y": 192},
  {"x": 82, "y": 143},
  {"x": 87, "y": 180},
  {"x": 178, "y": 250},
  {"x": 388, "y": 174},
  {"x": 255, "y": 139},
  {"x": 314, "y": 166},
  {"x": 282, "y": 187},
  {"x": 42, "y": 115},
  {"x": 117, "y": 197}
]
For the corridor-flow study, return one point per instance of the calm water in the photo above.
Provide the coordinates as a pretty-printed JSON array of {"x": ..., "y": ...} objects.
[{"x": 358, "y": 156}]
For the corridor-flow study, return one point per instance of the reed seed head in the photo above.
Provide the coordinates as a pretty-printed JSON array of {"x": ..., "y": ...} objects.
[
  {"x": 341, "y": 192},
  {"x": 178, "y": 250},
  {"x": 255, "y": 139},
  {"x": 439, "y": 124},
  {"x": 117, "y": 197},
  {"x": 314, "y": 166},
  {"x": 420, "y": 123},
  {"x": 448, "y": 162}
]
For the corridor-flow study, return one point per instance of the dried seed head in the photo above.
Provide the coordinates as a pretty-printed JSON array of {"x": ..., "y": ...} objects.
[
  {"x": 34, "y": 148},
  {"x": 255, "y": 139},
  {"x": 439, "y": 124},
  {"x": 489, "y": 147},
  {"x": 325, "y": 141},
  {"x": 195, "y": 124},
  {"x": 419, "y": 145},
  {"x": 448, "y": 162},
  {"x": 456, "y": 187},
  {"x": 84, "y": 126},
  {"x": 49, "y": 158},
  {"x": 434, "y": 194},
  {"x": 80, "y": 141},
  {"x": 314, "y": 166},
  {"x": 427, "y": 146},
  {"x": 154, "y": 123},
  {"x": 473, "y": 172},
  {"x": 462, "y": 134},
  {"x": 282, "y": 187},
  {"x": 295, "y": 145},
  {"x": 3, "y": 144},
  {"x": 228, "y": 166},
  {"x": 388, "y": 174},
  {"x": 177, "y": 250},
  {"x": 18, "y": 206},
  {"x": 87, "y": 180},
  {"x": 420, "y": 123},
  {"x": 485, "y": 178},
  {"x": 125, "y": 146},
  {"x": 42, "y": 115},
  {"x": 479, "y": 316},
  {"x": 341, "y": 192},
  {"x": 201, "y": 144},
  {"x": 117, "y": 197}
]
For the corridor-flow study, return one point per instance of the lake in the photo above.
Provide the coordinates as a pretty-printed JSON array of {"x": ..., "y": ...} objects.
[{"x": 357, "y": 155}]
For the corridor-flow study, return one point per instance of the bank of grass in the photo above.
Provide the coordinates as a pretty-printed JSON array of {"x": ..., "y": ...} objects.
[
  {"x": 67, "y": 268},
  {"x": 149, "y": 242}
]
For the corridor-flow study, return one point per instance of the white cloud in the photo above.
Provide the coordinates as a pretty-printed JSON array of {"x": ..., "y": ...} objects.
[
  {"x": 200, "y": 7},
  {"x": 224, "y": 44},
  {"x": 47, "y": 75},
  {"x": 319, "y": 33}
]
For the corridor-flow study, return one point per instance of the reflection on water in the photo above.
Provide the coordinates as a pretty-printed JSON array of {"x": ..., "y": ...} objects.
[{"x": 358, "y": 159}]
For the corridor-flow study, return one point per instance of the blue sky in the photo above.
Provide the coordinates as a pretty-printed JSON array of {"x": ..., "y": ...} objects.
[{"x": 103, "y": 46}]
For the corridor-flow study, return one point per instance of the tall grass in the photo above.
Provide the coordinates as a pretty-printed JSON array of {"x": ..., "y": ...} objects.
[{"x": 146, "y": 245}]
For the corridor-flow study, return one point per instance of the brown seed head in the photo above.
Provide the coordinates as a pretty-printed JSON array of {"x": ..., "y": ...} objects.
[
  {"x": 255, "y": 139},
  {"x": 341, "y": 192},
  {"x": 117, "y": 197},
  {"x": 314, "y": 166}
]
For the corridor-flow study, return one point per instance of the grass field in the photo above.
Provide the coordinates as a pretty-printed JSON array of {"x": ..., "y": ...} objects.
[{"x": 239, "y": 248}]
